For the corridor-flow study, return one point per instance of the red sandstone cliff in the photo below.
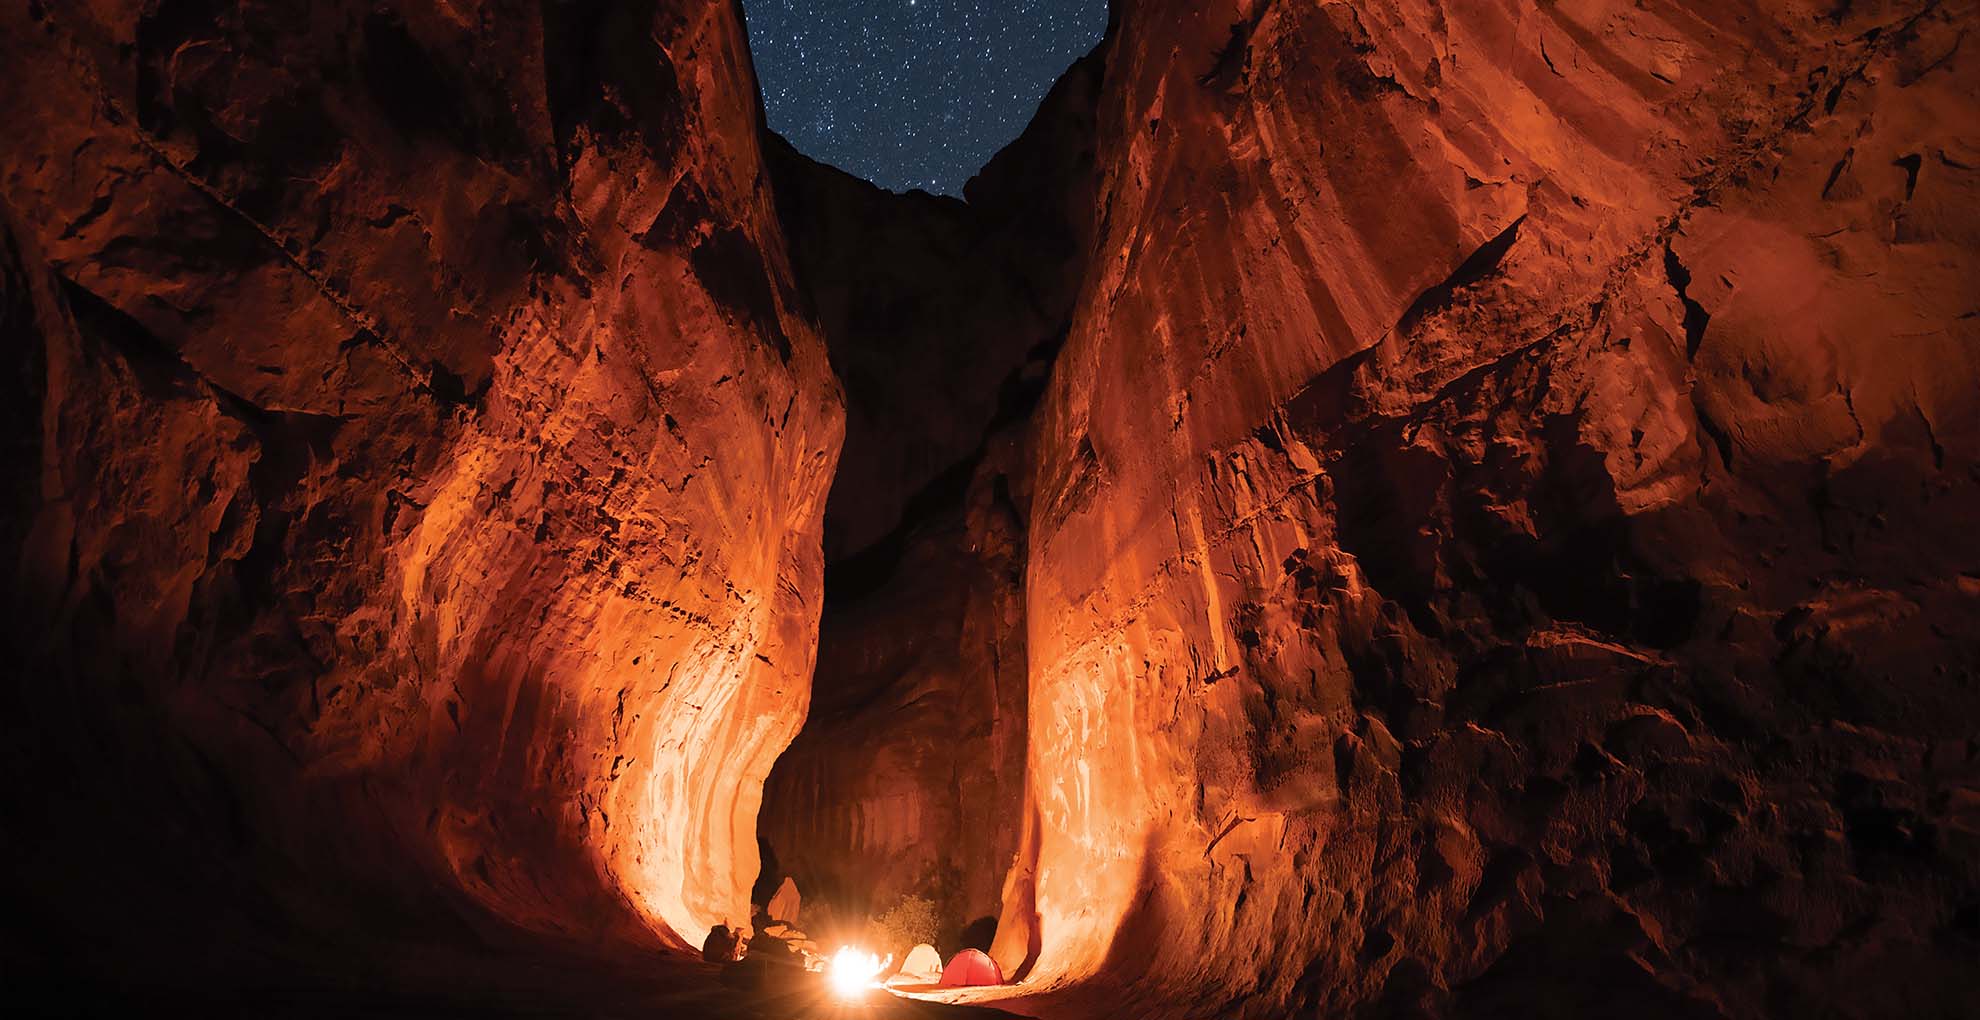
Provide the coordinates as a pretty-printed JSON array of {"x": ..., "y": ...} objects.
[
  {"x": 1501, "y": 537},
  {"x": 423, "y": 485},
  {"x": 1495, "y": 535},
  {"x": 1495, "y": 538}
]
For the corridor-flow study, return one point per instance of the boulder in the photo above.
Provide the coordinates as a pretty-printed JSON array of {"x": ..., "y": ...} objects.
[{"x": 784, "y": 905}]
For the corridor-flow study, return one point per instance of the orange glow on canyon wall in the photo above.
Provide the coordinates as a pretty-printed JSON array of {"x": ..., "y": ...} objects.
[
  {"x": 1380, "y": 508},
  {"x": 1430, "y": 456},
  {"x": 478, "y": 575}
]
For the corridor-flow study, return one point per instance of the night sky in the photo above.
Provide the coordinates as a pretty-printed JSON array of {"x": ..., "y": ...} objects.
[{"x": 913, "y": 93}]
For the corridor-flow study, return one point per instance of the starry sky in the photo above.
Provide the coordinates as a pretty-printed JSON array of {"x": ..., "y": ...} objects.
[{"x": 913, "y": 93}]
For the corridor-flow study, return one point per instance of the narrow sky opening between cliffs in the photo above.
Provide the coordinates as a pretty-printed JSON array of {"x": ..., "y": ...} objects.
[{"x": 912, "y": 93}]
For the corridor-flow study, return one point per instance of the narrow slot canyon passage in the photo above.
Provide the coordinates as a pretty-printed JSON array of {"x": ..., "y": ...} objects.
[{"x": 1377, "y": 508}]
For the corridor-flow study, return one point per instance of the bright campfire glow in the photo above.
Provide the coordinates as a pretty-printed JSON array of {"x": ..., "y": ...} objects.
[{"x": 852, "y": 971}]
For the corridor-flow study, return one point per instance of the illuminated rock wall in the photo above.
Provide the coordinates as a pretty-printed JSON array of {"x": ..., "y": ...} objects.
[
  {"x": 1500, "y": 539},
  {"x": 1476, "y": 499},
  {"x": 422, "y": 482}
]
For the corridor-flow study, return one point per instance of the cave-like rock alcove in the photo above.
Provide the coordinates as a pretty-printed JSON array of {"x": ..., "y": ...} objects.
[{"x": 1375, "y": 508}]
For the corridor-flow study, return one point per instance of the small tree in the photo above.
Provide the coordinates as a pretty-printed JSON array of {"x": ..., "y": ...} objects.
[{"x": 910, "y": 921}]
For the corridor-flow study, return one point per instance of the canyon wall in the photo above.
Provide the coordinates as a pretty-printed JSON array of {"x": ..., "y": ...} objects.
[
  {"x": 1500, "y": 536},
  {"x": 1385, "y": 508},
  {"x": 417, "y": 464}
]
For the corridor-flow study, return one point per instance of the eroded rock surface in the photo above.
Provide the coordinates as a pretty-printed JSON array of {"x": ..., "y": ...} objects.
[
  {"x": 1495, "y": 537},
  {"x": 421, "y": 467},
  {"x": 1500, "y": 538}
]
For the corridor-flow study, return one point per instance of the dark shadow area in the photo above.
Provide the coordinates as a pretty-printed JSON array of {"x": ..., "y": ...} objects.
[{"x": 897, "y": 808}]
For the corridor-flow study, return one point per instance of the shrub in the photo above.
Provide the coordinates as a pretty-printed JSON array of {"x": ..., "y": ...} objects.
[{"x": 910, "y": 921}]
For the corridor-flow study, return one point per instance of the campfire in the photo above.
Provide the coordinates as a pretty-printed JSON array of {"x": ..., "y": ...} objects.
[{"x": 853, "y": 971}]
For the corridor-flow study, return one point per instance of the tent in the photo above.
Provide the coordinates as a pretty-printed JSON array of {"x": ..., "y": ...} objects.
[
  {"x": 971, "y": 967},
  {"x": 923, "y": 966}
]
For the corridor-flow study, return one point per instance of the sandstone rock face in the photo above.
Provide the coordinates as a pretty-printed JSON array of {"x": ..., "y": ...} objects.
[
  {"x": 1499, "y": 537},
  {"x": 1375, "y": 508},
  {"x": 423, "y": 467}
]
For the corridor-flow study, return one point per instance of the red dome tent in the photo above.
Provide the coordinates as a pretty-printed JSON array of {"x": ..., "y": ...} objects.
[{"x": 971, "y": 967}]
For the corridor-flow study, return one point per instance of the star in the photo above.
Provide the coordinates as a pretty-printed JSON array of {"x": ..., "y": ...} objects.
[{"x": 912, "y": 102}]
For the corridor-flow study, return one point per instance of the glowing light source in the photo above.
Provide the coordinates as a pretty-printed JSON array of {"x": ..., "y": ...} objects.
[{"x": 852, "y": 971}]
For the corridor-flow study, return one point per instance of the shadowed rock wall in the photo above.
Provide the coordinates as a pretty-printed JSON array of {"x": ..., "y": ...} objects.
[
  {"x": 908, "y": 777},
  {"x": 421, "y": 463},
  {"x": 1500, "y": 536},
  {"x": 942, "y": 318}
]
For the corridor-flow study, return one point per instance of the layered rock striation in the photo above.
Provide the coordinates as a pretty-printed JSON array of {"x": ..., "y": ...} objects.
[
  {"x": 418, "y": 464},
  {"x": 1381, "y": 508},
  {"x": 1498, "y": 539}
]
